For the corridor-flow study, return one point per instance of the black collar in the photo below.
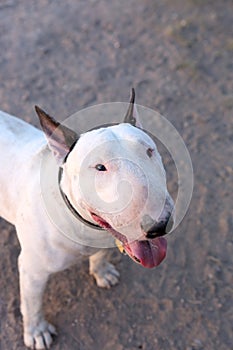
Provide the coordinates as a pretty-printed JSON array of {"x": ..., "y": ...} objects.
[{"x": 72, "y": 209}]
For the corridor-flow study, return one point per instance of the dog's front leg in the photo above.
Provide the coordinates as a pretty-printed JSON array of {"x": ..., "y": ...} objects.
[
  {"x": 37, "y": 331},
  {"x": 104, "y": 272}
]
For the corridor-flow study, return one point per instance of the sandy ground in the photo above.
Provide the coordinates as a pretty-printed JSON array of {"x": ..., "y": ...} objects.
[{"x": 65, "y": 55}]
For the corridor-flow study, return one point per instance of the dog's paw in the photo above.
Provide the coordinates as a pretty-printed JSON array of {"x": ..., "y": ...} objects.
[
  {"x": 106, "y": 275},
  {"x": 39, "y": 337}
]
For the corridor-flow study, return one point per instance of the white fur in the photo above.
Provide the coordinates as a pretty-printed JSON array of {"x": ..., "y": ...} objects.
[{"x": 44, "y": 250}]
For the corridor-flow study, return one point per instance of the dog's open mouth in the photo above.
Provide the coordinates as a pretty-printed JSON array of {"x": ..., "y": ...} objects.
[{"x": 148, "y": 253}]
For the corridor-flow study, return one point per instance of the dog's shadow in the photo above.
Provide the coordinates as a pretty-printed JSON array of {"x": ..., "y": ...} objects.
[{"x": 10, "y": 316}]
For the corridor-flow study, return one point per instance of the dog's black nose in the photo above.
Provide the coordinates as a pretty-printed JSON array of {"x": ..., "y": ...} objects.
[{"x": 158, "y": 228}]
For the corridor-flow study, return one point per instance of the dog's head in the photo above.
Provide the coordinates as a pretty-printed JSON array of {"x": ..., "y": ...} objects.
[{"x": 114, "y": 177}]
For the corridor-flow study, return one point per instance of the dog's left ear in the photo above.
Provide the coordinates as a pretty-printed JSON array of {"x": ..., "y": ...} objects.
[
  {"x": 60, "y": 138},
  {"x": 132, "y": 116}
]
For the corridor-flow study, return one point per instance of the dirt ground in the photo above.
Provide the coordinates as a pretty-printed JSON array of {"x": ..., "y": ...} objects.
[{"x": 66, "y": 55}]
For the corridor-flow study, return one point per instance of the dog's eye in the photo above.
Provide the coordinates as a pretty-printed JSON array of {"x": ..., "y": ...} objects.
[
  {"x": 149, "y": 152},
  {"x": 100, "y": 167}
]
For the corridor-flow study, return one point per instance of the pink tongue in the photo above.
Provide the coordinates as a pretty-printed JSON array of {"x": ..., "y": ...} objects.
[{"x": 148, "y": 253}]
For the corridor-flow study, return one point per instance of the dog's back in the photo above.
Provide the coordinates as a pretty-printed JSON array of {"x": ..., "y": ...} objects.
[{"x": 19, "y": 144}]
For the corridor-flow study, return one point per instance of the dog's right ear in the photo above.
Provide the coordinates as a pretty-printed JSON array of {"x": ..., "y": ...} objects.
[
  {"x": 132, "y": 116},
  {"x": 60, "y": 138}
]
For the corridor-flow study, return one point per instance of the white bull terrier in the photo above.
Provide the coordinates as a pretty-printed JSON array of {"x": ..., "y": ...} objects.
[{"x": 127, "y": 152}]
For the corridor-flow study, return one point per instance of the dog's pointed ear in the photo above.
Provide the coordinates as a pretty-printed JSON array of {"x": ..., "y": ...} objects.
[
  {"x": 60, "y": 138},
  {"x": 132, "y": 116}
]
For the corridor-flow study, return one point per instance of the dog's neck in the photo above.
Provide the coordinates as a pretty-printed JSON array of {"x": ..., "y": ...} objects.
[{"x": 72, "y": 209}]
